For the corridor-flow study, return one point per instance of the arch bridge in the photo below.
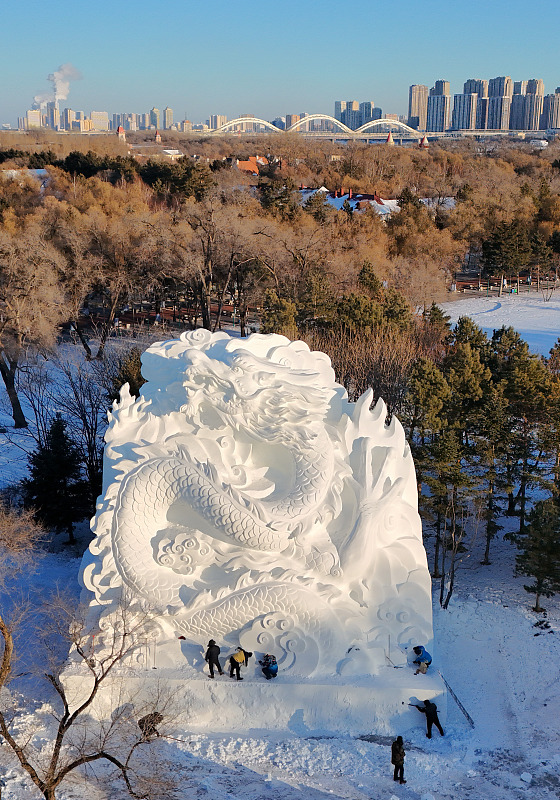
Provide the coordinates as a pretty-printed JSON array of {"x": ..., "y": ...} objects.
[{"x": 375, "y": 129}]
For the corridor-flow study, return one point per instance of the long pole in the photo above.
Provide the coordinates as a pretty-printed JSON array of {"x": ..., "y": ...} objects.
[{"x": 460, "y": 705}]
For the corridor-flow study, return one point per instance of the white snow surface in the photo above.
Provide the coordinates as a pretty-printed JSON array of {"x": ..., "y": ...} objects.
[
  {"x": 536, "y": 319},
  {"x": 503, "y": 669}
]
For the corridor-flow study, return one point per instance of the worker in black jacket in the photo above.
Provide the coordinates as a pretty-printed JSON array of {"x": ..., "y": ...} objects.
[
  {"x": 212, "y": 659},
  {"x": 430, "y": 710}
]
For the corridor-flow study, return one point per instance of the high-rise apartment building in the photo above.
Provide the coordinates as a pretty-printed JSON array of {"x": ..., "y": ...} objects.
[
  {"x": 291, "y": 119},
  {"x": 33, "y": 118},
  {"x": 438, "y": 117},
  {"x": 535, "y": 86},
  {"x": 481, "y": 113},
  {"x": 527, "y": 105},
  {"x": 351, "y": 114},
  {"x": 500, "y": 87},
  {"x": 217, "y": 120},
  {"x": 464, "y": 112},
  {"x": 369, "y": 112},
  {"x": 53, "y": 116},
  {"x": 417, "y": 106},
  {"x": 517, "y": 120},
  {"x": 440, "y": 87},
  {"x": 498, "y": 112},
  {"x": 534, "y": 104},
  {"x": 155, "y": 118},
  {"x": 68, "y": 117},
  {"x": 500, "y": 91},
  {"x": 551, "y": 110},
  {"x": 476, "y": 86},
  {"x": 130, "y": 122},
  {"x": 534, "y": 99},
  {"x": 99, "y": 120},
  {"x": 167, "y": 118},
  {"x": 339, "y": 108}
]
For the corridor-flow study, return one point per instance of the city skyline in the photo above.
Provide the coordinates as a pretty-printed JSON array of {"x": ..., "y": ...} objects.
[
  {"x": 266, "y": 58},
  {"x": 498, "y": 103}
]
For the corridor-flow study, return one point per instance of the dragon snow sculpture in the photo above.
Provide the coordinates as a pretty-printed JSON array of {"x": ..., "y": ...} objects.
[{"x": 246, "y": 499}]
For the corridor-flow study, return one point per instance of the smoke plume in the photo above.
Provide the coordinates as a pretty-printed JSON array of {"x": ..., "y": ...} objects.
[{"x": 60, "y": 80}]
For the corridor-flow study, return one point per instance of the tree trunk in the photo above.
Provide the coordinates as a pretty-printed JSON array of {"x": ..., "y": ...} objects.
[
  {"x": 537, "y": 606},
  {"x": 205, "y": 307},
  {"x": 451, "y": 584},
  {"x": 523, "y": 499},
  {"x": 8, "y": 369},
  {"x": 83, "y": 340},
  {"x": 70, "y": 531},
  {"x": 436, "y": 573},
  {"x": 443, "y": 565},
  {"x": 107, "y": 327},
  {"x": 489, "y": 520},
  {"x": 218, "y": 321}
]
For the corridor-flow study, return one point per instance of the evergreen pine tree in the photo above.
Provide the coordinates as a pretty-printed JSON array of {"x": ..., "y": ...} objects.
[
  {"x": 279, "y": 315},
  {"x": 356, "y": 312},
  {"x": 55, "y": 489},
  {"x": 427, "y": 399},
  {"x": 451, "y": 494},
  {"x": 493, "y": 429},
  {"x": 396, "y": 309},
  {"x": 317, "y": 206},
  {"x": 437, "y": 319},
  {"x": 528, "y": 388},
  {"x": 369, "y": 282},
  {"x": 540, "y": 551},
  {"x": 128, "y": 370},
  {"x": 469, "y": 381}
]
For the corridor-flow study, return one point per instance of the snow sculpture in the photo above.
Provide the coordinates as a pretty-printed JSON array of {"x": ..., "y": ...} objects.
[{"x": 247, "y": 500}]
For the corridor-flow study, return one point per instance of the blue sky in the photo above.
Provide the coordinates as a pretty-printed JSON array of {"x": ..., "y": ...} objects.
[{"x": 268, "y": 57}]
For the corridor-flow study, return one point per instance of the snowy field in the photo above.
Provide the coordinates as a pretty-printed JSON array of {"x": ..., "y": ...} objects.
[
  {"x": 503, "y": 668},
  {"x": 536, "y": 320}
]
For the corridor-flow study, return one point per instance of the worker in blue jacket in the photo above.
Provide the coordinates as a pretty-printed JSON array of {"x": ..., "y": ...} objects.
[
  {"x": 269, "y": 666},
  {"x": 421, "y": 658}
]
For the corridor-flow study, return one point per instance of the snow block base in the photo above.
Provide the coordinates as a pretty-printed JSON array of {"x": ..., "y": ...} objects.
[{"x": 368, "y": 705}]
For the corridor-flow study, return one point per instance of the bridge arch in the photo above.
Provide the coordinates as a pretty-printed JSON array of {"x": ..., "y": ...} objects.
[
  {"x": 252, "y": 120},
  {"x": 322, "y": 117},
  {"x": 394, "y": 123}
]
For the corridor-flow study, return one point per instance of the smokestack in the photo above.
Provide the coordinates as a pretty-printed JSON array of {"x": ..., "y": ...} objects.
[{"x": 60, "y": 79}]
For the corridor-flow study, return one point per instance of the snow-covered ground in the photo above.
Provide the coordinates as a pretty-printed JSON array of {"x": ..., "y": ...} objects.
[
  {"x": 503, "y": 668},
  {"x": 537, "y": 320}
]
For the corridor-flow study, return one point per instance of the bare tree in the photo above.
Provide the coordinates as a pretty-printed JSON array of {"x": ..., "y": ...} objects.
[
  {"x": 30, "y": 303},
  {"x": 77, "y": 738}
]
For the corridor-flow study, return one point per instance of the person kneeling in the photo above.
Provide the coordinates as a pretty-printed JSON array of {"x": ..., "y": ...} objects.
[{"x": 269, "y": 666}]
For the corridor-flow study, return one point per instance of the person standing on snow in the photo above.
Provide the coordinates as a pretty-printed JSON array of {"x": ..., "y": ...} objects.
[
  {"x": 240, "y": 656},
  {"x": 212, "y": 659},
  {"x": 397, "y": 759},
  {"x": 430, "y": 710}
]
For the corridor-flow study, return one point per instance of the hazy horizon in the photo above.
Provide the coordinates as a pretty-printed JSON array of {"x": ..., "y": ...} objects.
[{"x": 266, "y": 58}]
